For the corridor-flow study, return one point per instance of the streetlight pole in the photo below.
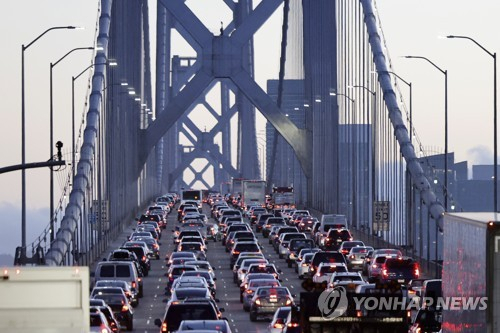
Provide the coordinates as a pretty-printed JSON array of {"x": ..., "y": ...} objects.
[
  {"x": 23, "y": 136},
  {"x": 52, "y": 65},
  {"x": 495, "y": 144},
  {"x": 338, "y": 159},
  {"x": 373, "y": 93},
  {"x": 445, "y": 72}
]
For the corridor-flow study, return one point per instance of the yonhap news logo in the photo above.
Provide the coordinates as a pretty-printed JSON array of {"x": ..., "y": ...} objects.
[{"x": 333, "y": 303}]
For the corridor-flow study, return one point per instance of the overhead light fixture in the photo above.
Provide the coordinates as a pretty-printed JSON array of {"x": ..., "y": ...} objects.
[
  {"x": 124, "y": 84},
  {"x": 137, "y": 99},
  {"x": 131, "y": 92}
]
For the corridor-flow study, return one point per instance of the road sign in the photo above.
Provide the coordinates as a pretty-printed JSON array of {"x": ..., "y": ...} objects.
[{"x": 381, "y": 215}]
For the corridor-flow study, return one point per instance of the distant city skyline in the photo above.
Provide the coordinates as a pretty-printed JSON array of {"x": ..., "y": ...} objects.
[{"x": 410, "y": 27}]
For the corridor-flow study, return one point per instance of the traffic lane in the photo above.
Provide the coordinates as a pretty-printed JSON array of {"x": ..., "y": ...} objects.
[
  {"x": 229, "y": 294},
  {"x": 152, "y": 305}
]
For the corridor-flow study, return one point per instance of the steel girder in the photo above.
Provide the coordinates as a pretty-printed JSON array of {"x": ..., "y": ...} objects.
[{"x": 222, "y": 58}]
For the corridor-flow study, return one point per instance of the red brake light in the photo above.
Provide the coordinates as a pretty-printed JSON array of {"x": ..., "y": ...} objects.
[
  {"x": 292, "y": 325},
  {"x": 134, "y": 284},
  {"x": 164, "y": 327},
  {"x": 124, "y": 308},
  {"x": 384, "y": 272},
  {"x": 417, "y": 272},
  {"x": 288, "y": 301},
  {"x": 279, "y": 325}
]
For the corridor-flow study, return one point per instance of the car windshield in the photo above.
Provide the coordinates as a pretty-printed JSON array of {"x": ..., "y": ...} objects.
[
  {"x": 262, "y": 269},
  {"x": 247, "y": 247},
  {"x": 182, "y": 293},
  {"x": 359, "y": 249},
  {"x": 191, "y": 246},
  {"x": 263, "y": 283}
]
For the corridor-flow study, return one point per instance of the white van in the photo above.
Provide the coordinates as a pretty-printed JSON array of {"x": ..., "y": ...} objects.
[{"x": 119, "y": 270}]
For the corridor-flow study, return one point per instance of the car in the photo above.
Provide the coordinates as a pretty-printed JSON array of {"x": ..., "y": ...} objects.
[
  {"x": 303, "y": 265},
  {"x": 284, "y": 241},
  {"x": 326, "y": 256},
  {"x": 203, "y": 266},
  {"x": 356, "y": 257},
  {"x": 188, "y": 281},
  {"x": 282, "y": 230},
  {"x": 99, "y": 323},
  {"x": 175, "y": 271},
  {"x": 375, "y": 268},
  {"x": 238, "y": 236},
  {"x": 153, "y": 246},
  {"x": 261, "y": 221},
  {"x": 121, "y": 308},
  {"x": 252, "y": 287},
  {"x": 264, "y": 268},
  {"x": 180, "y": 235},
  {"x": 278, "y": 322},
  {"x": 109, "y": 290},
  {"x": 254, "y": 276},
  {"x": 243, "y": 268},
  {"x": 240, "y": 247},
  {"x": 367, "y": 262},
  {"x": 132, "y": 295},
  {"x": 114, "y": 325},
  {"x": 346, "y": 246},
  {"x": 204, "y": 274},
  {"x": 348, "y": 280},
  {"x": 402, "y": 270},
  {"x": 325, "y": 271},
  {"x": 270, "y": 222},
  {"x": 426, "y": 321},
  {"x": 306, "y": 223},
  {"x": 181, "y": 293},
  {"x": 267, "y": 299},
  {"x": 195, "y": 247},
  {"x": 239, "y": 261},
  {"x": 176, "y": 312},
  {"x": 335, "y": 237},
  {"x": 219, "y": 326},
  {"x": 181, "y": 254},
  {"x": 294, "y": 246}
]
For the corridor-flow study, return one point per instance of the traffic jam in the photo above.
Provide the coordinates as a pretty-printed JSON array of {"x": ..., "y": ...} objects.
[{"x": 227, "y": 266}]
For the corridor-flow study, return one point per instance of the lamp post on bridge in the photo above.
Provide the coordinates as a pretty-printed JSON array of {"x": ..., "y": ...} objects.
[
  {"x": 52, "y": 65},
  {"x": 495, "y": 143},
  {"x": 23, "y": 134},
  {"x": 374, "y": 95},
  {"x": 338, "y": 159},
  {"x": 445, "y": 72}
]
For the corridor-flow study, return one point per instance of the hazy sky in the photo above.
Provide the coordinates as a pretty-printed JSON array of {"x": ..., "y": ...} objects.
[{"x": 411, "y": 27}]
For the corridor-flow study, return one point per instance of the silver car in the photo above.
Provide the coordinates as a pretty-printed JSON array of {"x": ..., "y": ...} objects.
[
  {"x": 303, "y": 266},
  {"x": 356, "y": 257}
]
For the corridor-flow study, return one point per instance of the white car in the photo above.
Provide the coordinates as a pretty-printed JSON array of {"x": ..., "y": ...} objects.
[
  {"x": 326, "y": 270},
  {"x": 303, "y": 266},
  {"x": 278, "y": 322}
]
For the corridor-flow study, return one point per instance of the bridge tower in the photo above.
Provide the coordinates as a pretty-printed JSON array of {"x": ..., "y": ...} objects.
[{"x": 200, "y": 147}]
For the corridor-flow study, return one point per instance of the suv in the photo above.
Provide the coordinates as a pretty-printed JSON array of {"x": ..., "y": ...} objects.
[
  {"x": 270, "y": 222},
  {"x": 243, "y": 247},
  {"x": 328, "y": 256},
  {"x": 119, "y": 270},
  {"x": 335, "y": 237},
  {"x": 176, "y": 312}
]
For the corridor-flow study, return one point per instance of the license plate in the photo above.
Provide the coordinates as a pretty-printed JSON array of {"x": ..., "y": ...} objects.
[
  {"x": 401, "y": 281},
  {"x": 273, "y": 300}
]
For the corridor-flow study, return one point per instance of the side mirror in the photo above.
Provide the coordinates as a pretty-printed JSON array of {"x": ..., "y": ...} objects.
[
  {"x": 280, "y": 280},
  {"x": 222, "y": 309},
  {"x": 213, "y": 268},
  {"x": 217, "y": 300},
  {"x": 165, "y": 300},
  {"x": 280, "y": 271},
  {"x": 158, "y": 322},
  {"x": 215, "y": 279},
  {"x": 294, "y": 295},
  {"x": 159, "y": 243},
  {"x": 172, "y": 230}
]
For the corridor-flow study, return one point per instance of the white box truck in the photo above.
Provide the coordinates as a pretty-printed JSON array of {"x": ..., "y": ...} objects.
[
  {"x": 471, "y": 259},
  {"x": 253, "y": 193},
  {"x": 44, "y": 299}
]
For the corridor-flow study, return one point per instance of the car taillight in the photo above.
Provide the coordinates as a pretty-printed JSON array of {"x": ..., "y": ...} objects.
[
  {"x": 293, "y": 325},
  {"x": 374, "y": 266},
  {"x": 104, "y": 329},
  {"x": 408, "y": 313},
  {"x": 164, "y": 327},
  {"x": 235, "y": 252},
  {"x": 359, "y": 313},
  {"x": 278, "y": 325},
  {"x": 417, "y": 272},
  {"x": 257, "y": 301},
  {"x": 288, "y": 301},
  {"x": 124, "y": 308},
  {"x": 384, "y": 272},
  {"x": 304, "y": 265},
  {"x": 249, "y": 291},
  {"x": 134, "y": 285},
  {"x": 245, "y": 286},
  {"x": 352, "y": 256},
  {"x": 140, "y": 279}
]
